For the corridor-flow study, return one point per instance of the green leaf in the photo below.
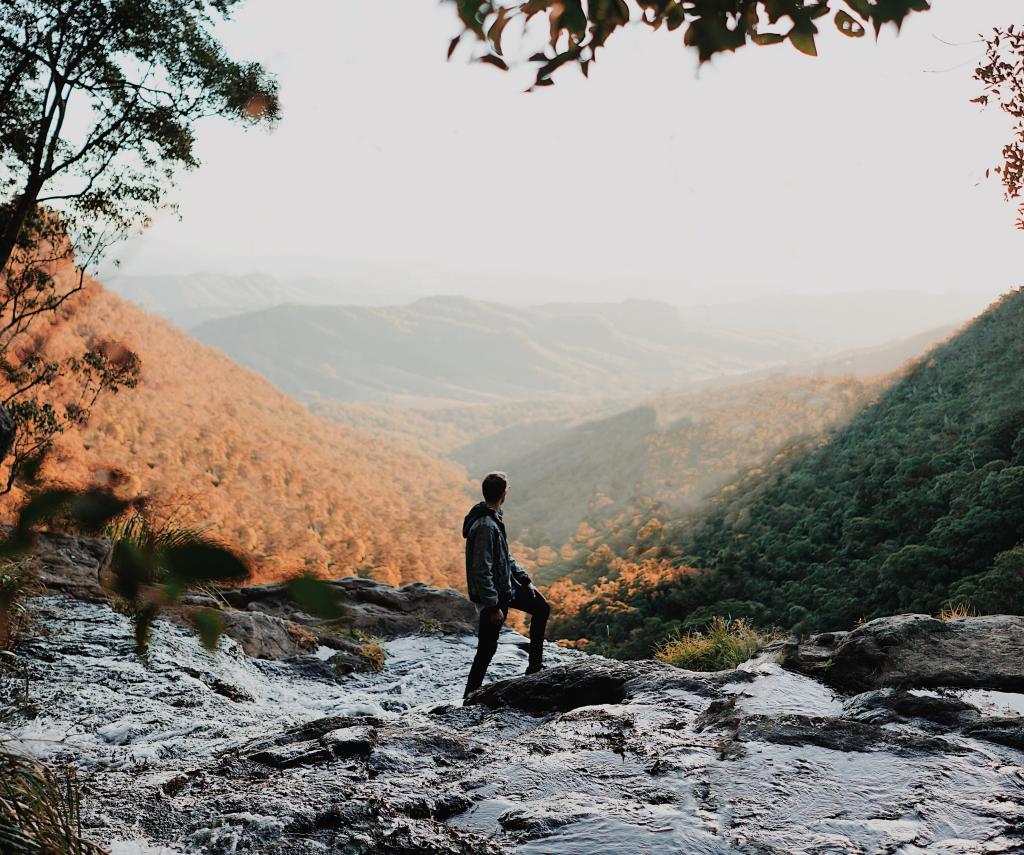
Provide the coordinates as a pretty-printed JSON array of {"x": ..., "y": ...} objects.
[
  {"x": 803, "y": 41},
  {"x": 315, "y": 596},
  {"x": 496, "y": 29},
  {"x": 861, "y": 7},
  {"x": 209, "y": 623},
  {"x": 496, "y": 61},
  {"x": 130, "y": 570},
  {"x": 767, "y": 38},
  {"x": 205, "y": 562},
  {"x": 144, "y": 620},
  {"x": 848, "y": 25},
  {"x": 92, "y": 510},
  {"x": 43, "y": 506}
]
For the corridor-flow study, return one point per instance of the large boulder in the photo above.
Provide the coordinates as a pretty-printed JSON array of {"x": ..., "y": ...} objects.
[
  {"x": 71, "y": 565},
  {"x": 266, "y": 636},
  {"x": 916, "y": 651}
]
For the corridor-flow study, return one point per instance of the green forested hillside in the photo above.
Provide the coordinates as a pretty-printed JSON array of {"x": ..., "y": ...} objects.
[{"x": 917, "y": 503}]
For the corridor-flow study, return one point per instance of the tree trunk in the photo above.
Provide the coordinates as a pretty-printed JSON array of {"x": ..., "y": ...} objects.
[{"x": 12, "y": 230}]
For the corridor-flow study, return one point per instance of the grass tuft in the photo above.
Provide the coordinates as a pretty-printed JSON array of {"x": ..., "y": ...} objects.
[
  {"x": 16, "y": 584},
  {"x": 955, "y": 611},
  {"x": 722, "y": 645},
  {"x": 39, "y": 810},
  {"x": 374, "y": 654}
]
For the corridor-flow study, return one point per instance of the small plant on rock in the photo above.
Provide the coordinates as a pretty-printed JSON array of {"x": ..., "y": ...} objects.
[
  {"x": 722, "y": 645},
  {"x": 152, "y": 565},
  {"x": 374, "y": 654},
  {"x": 955, "y": 611}
]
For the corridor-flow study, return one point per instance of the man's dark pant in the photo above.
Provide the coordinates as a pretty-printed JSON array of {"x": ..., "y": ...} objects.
[{"x": 487, "y": 640}]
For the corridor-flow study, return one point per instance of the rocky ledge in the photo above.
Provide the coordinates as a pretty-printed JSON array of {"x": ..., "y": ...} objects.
[
  {"x": 903, "y": 736},
  {"x": 265, "y": 621},
  {"x": 915, "y": 652}
]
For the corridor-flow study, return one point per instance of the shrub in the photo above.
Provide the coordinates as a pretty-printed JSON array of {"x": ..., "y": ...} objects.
[
  {"x": 39, "y": 810},
  {"x": 374, "y": 654},
  {"x": 151, "y": 566},
  {"x": 723, "y": 644}
]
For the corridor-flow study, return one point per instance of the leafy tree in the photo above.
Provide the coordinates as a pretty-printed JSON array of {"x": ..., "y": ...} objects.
[
  {"x": 98, "y": 105},
  {"x": 1002, "y": 76}
]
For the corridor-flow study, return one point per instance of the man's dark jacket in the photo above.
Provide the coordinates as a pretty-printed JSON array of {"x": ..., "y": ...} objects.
[{"x": 491, "y": 571}]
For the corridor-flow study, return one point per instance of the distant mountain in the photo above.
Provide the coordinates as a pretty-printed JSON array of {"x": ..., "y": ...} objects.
[
  {"x": 479, "y": 435},
  {"x": 455, "y": 349},
  {"x": 190, "y": 299},
  {"x": 870, "y": 361},
  {"x": 213, "y": 444},
  {"x": 918, "y": 503},
  {"x": 845, "y": 321}
]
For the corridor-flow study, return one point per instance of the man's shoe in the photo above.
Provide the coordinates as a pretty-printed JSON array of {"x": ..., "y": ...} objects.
[{"x": 533, "y": 669}]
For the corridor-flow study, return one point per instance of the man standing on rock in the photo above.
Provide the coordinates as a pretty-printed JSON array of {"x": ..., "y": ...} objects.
[{"x": 497, "y": 583}]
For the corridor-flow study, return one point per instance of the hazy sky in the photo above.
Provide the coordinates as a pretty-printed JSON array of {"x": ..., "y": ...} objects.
[{"x": 765, "y": 172}]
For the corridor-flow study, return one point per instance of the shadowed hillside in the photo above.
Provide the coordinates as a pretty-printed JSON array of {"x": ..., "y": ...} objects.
[{"x": 215, "y": 445}]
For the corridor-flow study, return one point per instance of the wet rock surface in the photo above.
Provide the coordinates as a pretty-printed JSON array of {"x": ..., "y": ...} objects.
[
  {"x": 371, "y": 607},
  {"x": 916, "y": 651},
  {"x": 219, "y": 753},
  {"x": 263, "y": 619}
]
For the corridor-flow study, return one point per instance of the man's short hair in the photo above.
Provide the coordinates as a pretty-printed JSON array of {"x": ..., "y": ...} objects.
[{"x": 494, "y": 486}]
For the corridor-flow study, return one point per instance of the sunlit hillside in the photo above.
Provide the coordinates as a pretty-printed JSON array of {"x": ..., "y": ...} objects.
[
  {"x": 674, "y": 450},
  {"x": 215, "y": 445}
]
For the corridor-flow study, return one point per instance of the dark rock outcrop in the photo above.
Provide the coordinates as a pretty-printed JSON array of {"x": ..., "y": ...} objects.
[
  {"x": 318, "y": 741},
  {"x": 596, "y": 681},
  {"x": 885, "y": 706},
  {"x": 70, "y": 565},
  {"x": 266, "y": 636},
  {"x": 916, "y": 651}
]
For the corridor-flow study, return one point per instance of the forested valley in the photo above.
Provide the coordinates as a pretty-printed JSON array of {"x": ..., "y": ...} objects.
[{"x": 914, "y": 506}]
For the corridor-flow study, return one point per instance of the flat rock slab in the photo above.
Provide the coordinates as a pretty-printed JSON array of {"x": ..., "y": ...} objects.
[
  {"x": 916, "y": 651},
  {"x": 590, "y": 682},
  {"x": 317, "y": 741}
]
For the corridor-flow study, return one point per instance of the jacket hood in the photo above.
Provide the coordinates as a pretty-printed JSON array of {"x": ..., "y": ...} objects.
[{"x": 481, "y": 509}]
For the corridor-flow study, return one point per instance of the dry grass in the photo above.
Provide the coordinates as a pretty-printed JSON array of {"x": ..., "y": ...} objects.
[
  {"x": 16, "y": 584},
  {"x": 374, "y": 654},
  {"x": 39, "y": 810},
  {"x": 955, "y": 611},
  {"x": 723, "y": 645}
]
